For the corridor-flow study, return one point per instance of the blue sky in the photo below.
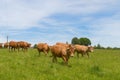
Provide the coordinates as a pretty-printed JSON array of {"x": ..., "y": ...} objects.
[{"x": 54, "y": 21}]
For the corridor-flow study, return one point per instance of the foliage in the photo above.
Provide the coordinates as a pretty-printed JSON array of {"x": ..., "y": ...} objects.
[
  {"x": 35, "y": 46},
  {"x": 75, "y": 40},
  {"x": 81, "y": 41},
  {"x": 99, "y": 47},
  {"x": 85, "y": 41}
]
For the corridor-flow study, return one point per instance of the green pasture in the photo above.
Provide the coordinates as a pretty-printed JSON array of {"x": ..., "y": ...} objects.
[{"x": 102, "y": 65}]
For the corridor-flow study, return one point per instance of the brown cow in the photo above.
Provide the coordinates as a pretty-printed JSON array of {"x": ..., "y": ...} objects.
[
  {"x": 6, "y": 45},
  {"x": 83, "y": 50},
  {"x": 23, "y": 45},
  {"x": 28, "y": 45},
  {"x": 43, "y": 47},
  {"x": 62, "y": 52},
  {"x": 13, "y": 45}
]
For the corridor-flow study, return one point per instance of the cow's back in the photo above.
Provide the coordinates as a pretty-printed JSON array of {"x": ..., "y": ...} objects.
[
  {"x": 13, "y": 44},
  {"x": 58, "y": 50},
  {"x": 81, "y": 48}
]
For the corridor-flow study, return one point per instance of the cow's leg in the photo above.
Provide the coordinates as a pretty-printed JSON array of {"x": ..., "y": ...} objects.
[
  {"x": 65, "y": 60},
  {"x": 82, "y": 54},
  {"x": 9, "y": 48},
  {"x": 78, "y": 55},
  {"x": 25, "y": 49},
  {"x": 45, "y": 52},
  {"x": 12, "y": 49},
  {"x": 18, "y": 49},
  {"x": 88, "y": 54},
  {"x": 54, "y": 59},
  {"x": 22, "y": 49},
  {"x": 39, "y": 52}
]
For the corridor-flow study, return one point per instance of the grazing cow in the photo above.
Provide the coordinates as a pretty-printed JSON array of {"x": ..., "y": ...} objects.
[
  {"x": 13, "y": 45},
  {"x": 6, "y": 45},
  {"x": 62, "y": 52},
  {"x": 43, "y": 47},
  {"x": 83, "y": 50}
]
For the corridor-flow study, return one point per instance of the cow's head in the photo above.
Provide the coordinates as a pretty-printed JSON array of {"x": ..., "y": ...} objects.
[
  {"x": 70, "y": 50},
  {"x": 29, "y": 45},
  {"x": 90, "y": 48}
]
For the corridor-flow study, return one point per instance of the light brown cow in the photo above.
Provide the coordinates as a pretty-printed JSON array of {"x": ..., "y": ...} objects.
[
  {"x": 13, "y": 45},
  {"x": 6, "y": 45},
  {"x": 81, "y": 49},
  {"x": 23, "y": 45},
  {"x": 28, "y": 45},
  {"x": 62, "y": 52},
  {"x": 43, "y": 47}
]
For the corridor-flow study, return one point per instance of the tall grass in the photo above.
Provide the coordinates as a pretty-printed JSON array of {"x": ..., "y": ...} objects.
[{"x": 102, "y": 65}]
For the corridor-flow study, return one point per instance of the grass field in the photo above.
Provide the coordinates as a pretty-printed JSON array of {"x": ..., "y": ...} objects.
[{"x": 102, "y": 65}]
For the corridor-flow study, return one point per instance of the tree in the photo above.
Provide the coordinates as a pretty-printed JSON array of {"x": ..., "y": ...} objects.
[
  {"x": 75, "y": 40},
  {"x": 35, "y": 46},
  {"x": 98, "y": 46},
  {"x": 84, "y": 41}
]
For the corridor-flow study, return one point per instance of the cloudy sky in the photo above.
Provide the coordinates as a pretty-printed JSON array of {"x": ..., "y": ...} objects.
[{"x": 54, "y": 21}]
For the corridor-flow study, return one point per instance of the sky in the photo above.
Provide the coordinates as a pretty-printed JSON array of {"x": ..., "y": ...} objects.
[{"x": 52, "y": 21}]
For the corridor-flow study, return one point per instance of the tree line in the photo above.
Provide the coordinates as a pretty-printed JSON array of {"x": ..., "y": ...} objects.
[
  {"x": 81, "y": 41},
  {"x": 87, "y": 42}
]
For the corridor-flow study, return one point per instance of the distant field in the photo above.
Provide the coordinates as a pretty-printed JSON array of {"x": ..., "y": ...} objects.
[{"x": 102, "y": 65}]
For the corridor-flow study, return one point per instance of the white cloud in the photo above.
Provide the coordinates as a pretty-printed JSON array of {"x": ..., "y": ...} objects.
[{"x": 24, "y": 14}]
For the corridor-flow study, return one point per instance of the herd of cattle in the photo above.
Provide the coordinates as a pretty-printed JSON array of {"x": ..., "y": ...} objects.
[
  {"x": 62, "y": 50},
  {"x": 13, "y": 45}
]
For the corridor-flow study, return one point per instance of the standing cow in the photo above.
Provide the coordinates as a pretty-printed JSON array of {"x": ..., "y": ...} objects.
[
  {"x": 6, "y": 45},
  {"x": 23, "y": 45},
  {"x": 43, "y": 47},
  {"x": 81, "y": 49},
  {"x": 62, "y": 52},
  {"x": 13, "y": 45}
]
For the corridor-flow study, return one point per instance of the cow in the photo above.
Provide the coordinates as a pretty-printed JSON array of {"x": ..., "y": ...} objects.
[
  {"x": 28, "y": 45},
  {"x": 62, "y": 52},
  {"x": 23, "y": 45},
  {"x": 43, "y": 47},
  {"x": 81, "y": 49},
  {"x": 6, "y": 45},
  {"x": 13, "y": 45}
]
